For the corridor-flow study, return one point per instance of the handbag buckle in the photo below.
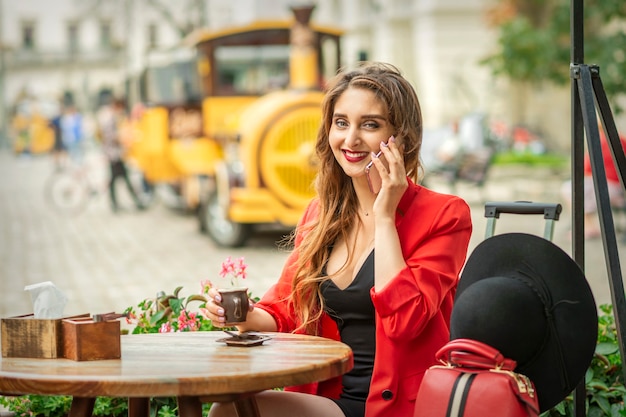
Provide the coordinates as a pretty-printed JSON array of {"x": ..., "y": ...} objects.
[{"x": 524, "y": 384}]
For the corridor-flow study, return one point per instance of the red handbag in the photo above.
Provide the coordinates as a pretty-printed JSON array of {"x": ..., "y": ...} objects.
[{"x": 475, "y": 380}]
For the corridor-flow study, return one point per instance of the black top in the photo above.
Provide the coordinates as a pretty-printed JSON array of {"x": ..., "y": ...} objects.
[{"x": 353, "y": 311}]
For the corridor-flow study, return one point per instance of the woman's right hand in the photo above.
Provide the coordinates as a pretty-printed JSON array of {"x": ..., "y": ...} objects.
[{"x": 214, "y": 310}]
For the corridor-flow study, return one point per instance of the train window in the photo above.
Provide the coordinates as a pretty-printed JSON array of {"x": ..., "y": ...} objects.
[
  {"x": 175, "y": 82},
  {"x": 329, "y": 57},
  {"x": 251, "y": 70}
]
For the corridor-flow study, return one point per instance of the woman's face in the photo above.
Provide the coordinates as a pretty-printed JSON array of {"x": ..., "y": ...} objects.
[{"x": 360, "y": 123}]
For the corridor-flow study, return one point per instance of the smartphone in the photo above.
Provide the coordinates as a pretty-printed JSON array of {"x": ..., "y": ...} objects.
[{"x": 373, "y": 177}]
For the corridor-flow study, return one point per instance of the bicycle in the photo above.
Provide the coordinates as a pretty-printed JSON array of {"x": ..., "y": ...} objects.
[{"x": 70, "y": 188}]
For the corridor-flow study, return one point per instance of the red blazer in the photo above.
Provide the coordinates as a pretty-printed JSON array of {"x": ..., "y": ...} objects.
[{"x": 412, "y": 311}]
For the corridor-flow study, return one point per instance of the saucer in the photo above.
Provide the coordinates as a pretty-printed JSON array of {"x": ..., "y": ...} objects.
[{"x": 244, "y": 339}]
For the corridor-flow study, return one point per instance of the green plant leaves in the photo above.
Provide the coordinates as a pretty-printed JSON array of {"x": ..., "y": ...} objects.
[
  {"x": 196, "y": 297},
  {"x": 607, "y": 348},
  {"x": 534, "y": 43}
]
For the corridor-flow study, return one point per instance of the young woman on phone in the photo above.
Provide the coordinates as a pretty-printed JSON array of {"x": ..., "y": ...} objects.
[{"x": 375, "y": 262}]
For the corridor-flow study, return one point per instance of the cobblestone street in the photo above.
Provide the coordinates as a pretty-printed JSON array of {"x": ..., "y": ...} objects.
[{"x": 104, "y": 261}]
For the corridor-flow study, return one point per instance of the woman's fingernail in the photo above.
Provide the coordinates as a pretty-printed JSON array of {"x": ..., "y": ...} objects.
[
  {"x": 384, "y": 144},
  {"x": 218, "y": 298},
  {"x": 374, "y": 155},
  {"x": 220, "y": 311},
  {"x": 392, "y": 138}
]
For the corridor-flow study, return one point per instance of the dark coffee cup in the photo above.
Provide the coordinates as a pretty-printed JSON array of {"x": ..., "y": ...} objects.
[{"x": 235, "y": 303}]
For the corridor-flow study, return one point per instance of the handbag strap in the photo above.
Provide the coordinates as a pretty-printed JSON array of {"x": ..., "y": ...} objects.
[{"x": 473, "y": 354}]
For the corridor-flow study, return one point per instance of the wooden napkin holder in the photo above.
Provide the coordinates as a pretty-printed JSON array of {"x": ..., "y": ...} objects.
[
  {"x": 27, "y": 337},
  {"x": 87, "y": 340}
]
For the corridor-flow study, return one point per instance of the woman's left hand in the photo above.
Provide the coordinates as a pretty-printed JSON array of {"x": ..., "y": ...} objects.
[{"x": 393, "y": 177}]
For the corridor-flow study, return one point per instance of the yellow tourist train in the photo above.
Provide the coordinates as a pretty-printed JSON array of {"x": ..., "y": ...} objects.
[{"x": 235, "y": 136}]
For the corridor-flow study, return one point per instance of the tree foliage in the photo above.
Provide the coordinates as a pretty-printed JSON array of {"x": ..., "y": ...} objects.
[
  {"x": 183, "y": 16},
  {"x": 193, "y": 19},
  {"x": 534, "y": 41}
]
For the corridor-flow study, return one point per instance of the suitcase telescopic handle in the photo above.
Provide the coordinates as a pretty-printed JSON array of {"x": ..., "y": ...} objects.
[{"x": 550, "y": 211}]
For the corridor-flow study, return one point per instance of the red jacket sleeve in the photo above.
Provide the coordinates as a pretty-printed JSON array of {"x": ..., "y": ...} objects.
[{"x": 434, "y": 248}]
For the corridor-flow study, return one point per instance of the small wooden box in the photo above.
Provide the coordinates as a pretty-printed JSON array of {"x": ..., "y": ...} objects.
[
  {"x": 28, "y": 337},
  {"x": 87, "y": 340}
]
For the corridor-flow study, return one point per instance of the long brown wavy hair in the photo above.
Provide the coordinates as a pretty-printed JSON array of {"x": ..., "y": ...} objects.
[{"x": 338, "y": 202}]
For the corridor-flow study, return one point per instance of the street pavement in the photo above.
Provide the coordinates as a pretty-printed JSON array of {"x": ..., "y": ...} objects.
[{"x": 104, "y": 261}]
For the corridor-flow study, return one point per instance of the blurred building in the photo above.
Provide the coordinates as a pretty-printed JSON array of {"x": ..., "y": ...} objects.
[
  {"x": 85, "y": 49},
  {"x": 436, "y": 43},
  {"x": 79, "y": 50}
]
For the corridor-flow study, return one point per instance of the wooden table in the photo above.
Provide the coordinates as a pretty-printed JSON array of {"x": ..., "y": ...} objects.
[{"x": 191, "y": 366}]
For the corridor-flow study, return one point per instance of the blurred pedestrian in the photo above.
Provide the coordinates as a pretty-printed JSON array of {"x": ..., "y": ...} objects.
[
  {"x": 111, "y": 118},
  {"x": 71, "y": 129},
  {"x": 616, "y": 191},
  {"x": 58, "y": 149}
]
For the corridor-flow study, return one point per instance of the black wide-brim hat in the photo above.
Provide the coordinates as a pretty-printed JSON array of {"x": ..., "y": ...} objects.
[{"x": 524, "y": 296}]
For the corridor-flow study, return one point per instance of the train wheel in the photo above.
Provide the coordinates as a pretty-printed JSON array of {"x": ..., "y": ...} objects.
[{"x": 223, "y": 231}]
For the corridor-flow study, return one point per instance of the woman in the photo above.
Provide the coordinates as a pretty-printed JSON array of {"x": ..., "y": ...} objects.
[{"x": 391, "y": 305}]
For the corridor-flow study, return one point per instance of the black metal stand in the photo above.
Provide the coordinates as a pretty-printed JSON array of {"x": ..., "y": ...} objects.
[{"x": 587, "y": 93}]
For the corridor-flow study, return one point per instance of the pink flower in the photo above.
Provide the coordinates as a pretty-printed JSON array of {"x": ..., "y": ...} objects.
[
  {"x": 206, "y": 286},
  {"x": 236, "y": 270},
  {"x": 132, "y": 317},
  {"x": 187, "y": 321},
  {"x": 165, "y": 328}
]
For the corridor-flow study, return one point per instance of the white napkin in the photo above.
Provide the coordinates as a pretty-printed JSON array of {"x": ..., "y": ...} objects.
[{"x": 48, "y": 300}]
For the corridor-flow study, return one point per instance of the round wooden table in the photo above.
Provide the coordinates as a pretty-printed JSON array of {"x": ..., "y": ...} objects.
[{"x": 192, "y": 366}]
